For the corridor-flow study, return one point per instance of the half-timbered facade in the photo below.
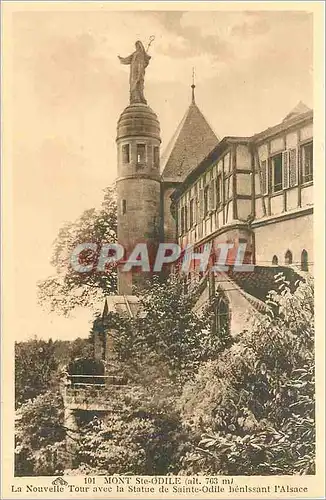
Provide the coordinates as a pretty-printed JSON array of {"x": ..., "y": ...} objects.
[
  {"x": 255, "y": 190},
  {"x": 283, "y": 160}
]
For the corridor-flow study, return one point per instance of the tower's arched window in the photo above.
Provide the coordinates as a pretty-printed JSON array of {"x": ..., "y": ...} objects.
[
  {"x": 275, "y": 260},
  {"x": 304, "y": 260},
  {"x": 222, "y": 315},
  {"x": 288, "y": 258}
]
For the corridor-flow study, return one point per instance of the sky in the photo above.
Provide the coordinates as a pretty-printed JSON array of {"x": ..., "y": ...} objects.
[{"x": 68, "y": 90}]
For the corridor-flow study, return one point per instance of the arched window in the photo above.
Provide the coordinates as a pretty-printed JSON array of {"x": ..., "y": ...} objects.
[
  {"x": 275, "y": 260},
  {"x": 304, "y": 260},
  {"x": 222, "y": 315},
  {"x": 288, "y": 258}
]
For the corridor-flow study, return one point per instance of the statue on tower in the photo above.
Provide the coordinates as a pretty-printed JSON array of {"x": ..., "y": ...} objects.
[{"x": 138, "y": 61}]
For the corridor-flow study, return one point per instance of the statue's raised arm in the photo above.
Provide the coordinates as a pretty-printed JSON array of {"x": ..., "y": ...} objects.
[
  {"x": 125, "y": 60},
  {"x": 138, "y": 61}
]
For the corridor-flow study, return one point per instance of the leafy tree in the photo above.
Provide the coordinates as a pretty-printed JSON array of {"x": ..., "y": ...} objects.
[
  {"x": 166, "y": 333},
  {"x": 81, "y": 348},
  {"x": 40, "y": 436},
  {"x": 69, "y": 288},
  {"x": 251, "y": 411},
  {"x": 38, "y": 363},
  {"x": 35, "y": 368}
]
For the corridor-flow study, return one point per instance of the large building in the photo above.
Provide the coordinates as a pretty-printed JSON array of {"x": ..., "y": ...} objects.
[
  {"x": 251, "y": 194},
  {"x": 255, "y": 192},
  {"x": 251, "y": 191}
]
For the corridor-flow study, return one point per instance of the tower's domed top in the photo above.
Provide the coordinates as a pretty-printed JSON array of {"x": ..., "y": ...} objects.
[{"x": 138, "y": 119}]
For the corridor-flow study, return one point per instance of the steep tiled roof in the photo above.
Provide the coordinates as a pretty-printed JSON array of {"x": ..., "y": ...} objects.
[{"x": 190, "y": 144}]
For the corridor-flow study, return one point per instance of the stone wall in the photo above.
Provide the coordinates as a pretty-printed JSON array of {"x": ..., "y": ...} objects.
[{"x": 295, "y": 234}]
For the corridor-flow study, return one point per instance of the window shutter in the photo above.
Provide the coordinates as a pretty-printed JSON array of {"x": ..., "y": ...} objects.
[
  {"x": 263, "y": 169},
  {"x": 285, "y": 162},
  {"x": 225, "y": 190},
  {"x": 293, "y": 167},
  {"x": 201, "y": 204},
  {"x": 196, "y": 215},
  {"x": 270, "y": 175},
  {"x": 186, "y": 218},
  {"x": 211, "y": 196},
  {"x": 218, "y": 194}
]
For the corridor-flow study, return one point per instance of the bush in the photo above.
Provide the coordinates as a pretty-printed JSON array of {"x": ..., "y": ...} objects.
[
  {"x": 166, "y": 331},
  {"x": 252, "y": 410},
  {"x": 141, "y": 436},
  {"x": 40, "y": 436},
  {"x": 35, "y": 369}
]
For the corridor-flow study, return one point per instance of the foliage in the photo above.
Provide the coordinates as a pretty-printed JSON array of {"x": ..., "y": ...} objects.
[
  {"x": 39, "y": 416},
  {"x": 251, "y": 411},
  {"x": 40, "y": 436},
  {"x": 38, "y": 362},
  {"x": 80, "y": 348},
  {"x": 35, "y": 368},
  {"x": 166, "y": 333},
  {"x": 69, "y": 288},
  {"x": 196, "y": 402},
  {"x": 141, "y": 436}
]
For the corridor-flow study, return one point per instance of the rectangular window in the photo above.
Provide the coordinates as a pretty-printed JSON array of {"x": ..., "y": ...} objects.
[
  {"x": 141, "y": 153},
  {"x": 218, "y": 195},
  {"x": 156, "y": 156},
  {"x": 192, "y": 212},
  {"x": 124, "y": 206},
  {"x": 277, "y": 171},
  {"x": 307, "y": 162},
  {"x": 126, "y": 153},
  {"x": 186, "y": 218},
  {"x": 182, "y": 221},
  {"x": 206, "y": 189}
]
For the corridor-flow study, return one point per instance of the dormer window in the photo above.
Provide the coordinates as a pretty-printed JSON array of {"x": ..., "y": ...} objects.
[
  {"x": 141, "y": 154},
  {"x": 126, "y": 153}
]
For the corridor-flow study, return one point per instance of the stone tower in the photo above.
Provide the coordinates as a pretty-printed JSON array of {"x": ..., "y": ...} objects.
[{"x": 138, "y": 183}]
